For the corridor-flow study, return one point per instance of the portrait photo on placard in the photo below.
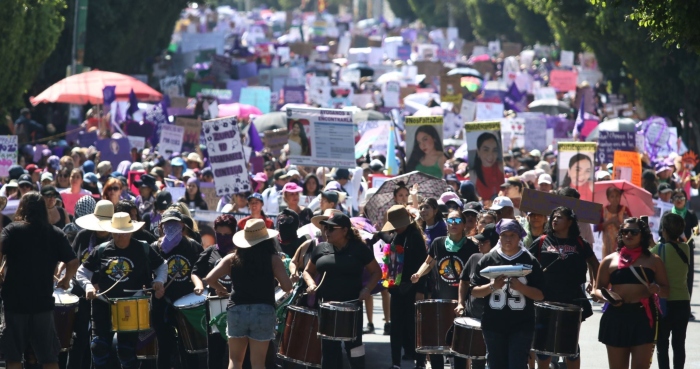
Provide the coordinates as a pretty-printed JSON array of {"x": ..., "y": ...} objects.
[
  {"x": 485, "y": 156},
  {"x": 424, "y": 150},
  {"x": 299, "y": 142},
  {"x": 576, "y": 163}
]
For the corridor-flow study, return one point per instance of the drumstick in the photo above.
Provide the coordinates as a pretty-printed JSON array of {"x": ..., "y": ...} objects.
[
  {"x": 317, "y": 286},
  {"x": 114, "y": 285}
]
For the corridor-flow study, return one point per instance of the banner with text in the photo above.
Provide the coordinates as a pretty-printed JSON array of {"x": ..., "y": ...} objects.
[
  {"x": 8, "y": 154},
  {"x": 321, "y": 137},
  {"x": 170, "y": 139},
  {"x": 226, "y": 156}
]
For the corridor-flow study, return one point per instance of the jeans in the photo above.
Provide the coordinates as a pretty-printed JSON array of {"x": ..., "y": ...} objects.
[
  {"x": 508, "y": 350},
  {"x": 102, "y": 339},
  {"x": 332, "y": 353},
  {"x": 675, "y": 323}
]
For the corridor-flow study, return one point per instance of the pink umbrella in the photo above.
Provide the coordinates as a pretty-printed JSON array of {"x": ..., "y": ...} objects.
[
  {"x": 479, "y": 58},
  {"x": 636, "y": 199},
  {"x": 239, "y": 110}
]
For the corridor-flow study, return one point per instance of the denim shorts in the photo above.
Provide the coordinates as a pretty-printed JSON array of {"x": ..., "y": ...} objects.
[{"x": 255, "y": 321}]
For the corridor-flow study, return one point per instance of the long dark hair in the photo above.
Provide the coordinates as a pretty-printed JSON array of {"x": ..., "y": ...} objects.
[
  {"x": 438, "y": 215},
  {"x": 574, "y": 231},
  {"x": 477, "y": 160},
  {"x": 197, "y": 196},
  {"x": 646, "y": 239},
  {"x": 32, "y": 209},
  {"x": 399, "y": 186},
  {"x": 254, "y": 259},
  {"x": 575, "y": 159},
  {"x": 416, "y": 153},
  {"x": 302, "y": 135},
  {"x": 318, "y": 185}
]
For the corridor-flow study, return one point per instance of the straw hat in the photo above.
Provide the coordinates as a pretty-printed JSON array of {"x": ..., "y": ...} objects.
[
  {"x": 397, "y": 217},
  {"x": 254, "y": 232},
  {"x": 329, "y": 213},
  {"x": 120, "y": 223},
  {"x": 104, "y": 210}
]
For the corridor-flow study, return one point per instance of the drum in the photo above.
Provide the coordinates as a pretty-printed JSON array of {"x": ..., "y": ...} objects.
[
  {"x": 66, "y": 305},
  {"x": 131, "y": 314},
  {"x": 556, "y": 328},
  {"x": 192, "y": 322},
  {"x": 433, "y": 319},
  {"x": 467, "y": 339},
  {"x": 300, "y": 342},
  {"x": 217, "y": 306},
  {"x": 338, "y": 321},
  {"x": 147, "y": 345},
  {"x": 280, "y": 296}
]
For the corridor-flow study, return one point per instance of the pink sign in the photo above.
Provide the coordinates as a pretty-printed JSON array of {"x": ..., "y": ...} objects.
[{"x": 563, "y": 80}]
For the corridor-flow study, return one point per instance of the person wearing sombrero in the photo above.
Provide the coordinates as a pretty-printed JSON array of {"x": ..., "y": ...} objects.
[
  {"x": 118, "y": 265},
  {"x": 147, "y": 190},
  {"x": 253, "y": 267},
  {"x": 403, "y": 256},
  {"x": 342, "y": 259},
  {"x": 181, "y": 254}
]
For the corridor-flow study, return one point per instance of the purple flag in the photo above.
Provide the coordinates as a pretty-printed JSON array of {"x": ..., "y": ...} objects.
[
  {"x": 255, "y": 141},
  {"x": 109, "y": 94},
  {"x": 580, "y": 118},
  {"x": 158, "y": 115},
  {"x": 512, "y": 98},
  {"x": 133, "y": 105}
]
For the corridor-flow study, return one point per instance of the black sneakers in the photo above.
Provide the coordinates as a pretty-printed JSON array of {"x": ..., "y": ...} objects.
[{"x": 369, "y": 329}]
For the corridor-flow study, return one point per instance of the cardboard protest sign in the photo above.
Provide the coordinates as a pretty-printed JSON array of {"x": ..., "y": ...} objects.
[
  {"x": 172, "y": 86},
  {"x": 258, "y": 96},
  {"x": 609, "y": 142},
  {"x": 226, "y": 156},
  {"x": 275, "y": 140},
  {"x": 488, "y": 110},
  {"x": 535, "y": 131},
  {"x": 627, "y": 166},
  {"x": 468, "y": 111},
  {"x": 294, "y": 94},
  {"x": 320, "y": 90},
  {"x": 8, "y": 154},
  {"x": 660, "y": 208},
  {"x": 576, "y": 163},
  {"x": 541, "y": 202},
  {"x": 485, "y": 157},
  {"x": 321, "y": 137},
  {"x": 563, "y": 80},
  {"x": 424, "y": 145},
  {"x": 429, "y": 68},
  {"x": 373, "y": 134},
  {"x": 511, "y": 49},
  {"x": 208, "y": 190},
  {"x": 137, "y": 142},
  {"x": 451, "y": 90},
  {"x": 391, "y": 91},
  {"x": 114, "y": 151},
  {"x": 193, "y": 129},
  {"x": 171, "y": 138}
]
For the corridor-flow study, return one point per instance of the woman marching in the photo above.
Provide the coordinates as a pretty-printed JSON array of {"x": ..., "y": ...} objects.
[
  {"x": 628, "y": 279},
  {"x": 565, "y": 257}
]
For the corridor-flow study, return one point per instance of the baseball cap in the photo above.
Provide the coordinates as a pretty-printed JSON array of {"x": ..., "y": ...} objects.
[
  {"x": 665, "y": 187},
  {"x": 473, "y": 207},
  {"x": 599, "y": 175},
  {"x": 49, "y": 191},
  {"x": 501, "y": 202},
  {"x": 90, "y": 177},
  {"x": 376, "y": 165},
  {"x": 16, "y": 171},
  {"x": 171, "y": 214},
  {"x": 31, "y": 168},
  {"x": 279, "y": 174},
  {"x": 340, "y": 220},
  {"x": 88, "y": 166},
  {"x": 544, "y": 178},
  {"x": 256, "y": 196},
  {"x": 177, "y": 162},
  {"x": 535, "y": 152},
  {"x": 25, "y": 179},
  {"x": 451, "y": 196},
  {"x": 331, "y": 196},
  {"x": 488, "y": 234},
  {"x": 46, "y": 176},
  {"x": 293, "y": 173},
  {"x": 163, "y": 200}
]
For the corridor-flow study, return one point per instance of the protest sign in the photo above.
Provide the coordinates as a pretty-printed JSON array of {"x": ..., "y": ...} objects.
[
  {"x": 275, "y": 140},
  {"x": 258, "y": 96},
  {"x": 294, "y": 94},
  {"x": 8, "y": 154},
  {"x": 609, "y": 142},
  {"x": 193, "y": 129},
  {"x": 488, "y": 110},
  {"x": 391, "y": 92},
  {"x": 540, "y": 202},
  {"x": 114, "y": 150},
  {"x": 172, "y": 86},
  {"x": 341, "y": 95},
  {"x": 137, "y": 142},
  {"x": 468, "y": 111},
  {"x": 485, "y": 157},
  {"x": 627, "y": 166},
  {"x": 235, "y": 87},
  {"x": 87, "y": 139},
  {"x": 563, "y": 80},
  {"x": 660, "y": 208},
  {"x": 544, "y": 93},
  {"x": 319, "y": 90},
  {"x": 535, "y": 131},
  {"x": 566, "y": 59},
  {"x": 171, "y": 137},
  {"x": 511, "y": 49},
  {"x": 321, "y": 137},
  {"x": 452, "y": 124},
  {"x": 224, "y": 96},
  {"x": 226, "y": 156},
  {"x": 429, "y": 68},
  {"x": 513, "y": 131},
  {"x": 451, "y": 90},
  {"x": 382, "y": 135},
  {"x": 424, "y": 145},
  {"x": 208, "y": 190},
  {"x": 576, "y": 165}
]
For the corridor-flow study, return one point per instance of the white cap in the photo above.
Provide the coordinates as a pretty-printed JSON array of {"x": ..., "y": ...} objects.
[
  {"x": 46, "y": 175},
  {"x": 293, "y": 172},
  {"x": 544, "y": 178},
  {"x": 501, "y": 202},
  {"x": 535, "y": 152}
]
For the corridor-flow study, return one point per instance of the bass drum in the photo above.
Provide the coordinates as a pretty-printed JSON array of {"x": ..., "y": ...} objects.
[
  {"x": 300, "y": 343},
  {"x": 557, "y": 328},
  {"x": 467, "y": 339},
  {"x": 433, "y": 319}
]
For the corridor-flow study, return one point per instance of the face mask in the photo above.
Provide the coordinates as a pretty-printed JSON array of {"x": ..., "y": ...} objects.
[
  {"x": 173, "y": 236},
  {"x": 224, "y": 243},
  {"x": 288, "y": 232}
]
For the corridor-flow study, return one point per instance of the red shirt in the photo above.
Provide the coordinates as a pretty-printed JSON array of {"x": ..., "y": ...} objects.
[
  {"x": 494, "y": 179},
  {"x": 268, "y": 223}
]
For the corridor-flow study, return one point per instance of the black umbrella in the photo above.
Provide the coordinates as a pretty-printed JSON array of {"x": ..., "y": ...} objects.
[{"x": 365, "y": 70}]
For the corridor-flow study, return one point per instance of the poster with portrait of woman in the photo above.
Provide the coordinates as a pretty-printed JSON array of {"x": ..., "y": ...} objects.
[
  {"x": 576, "y": 163},
  {"x": 485, "y": 154},
  {"x": 424, "y": 151},
  {"x": 298, "y": 133}
]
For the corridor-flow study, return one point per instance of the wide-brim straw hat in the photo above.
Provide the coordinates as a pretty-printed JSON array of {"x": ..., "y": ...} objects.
[
  {"x": 120, "y": 223},
  {"x": 397, "y": 218},
  {"x": 254, "y": 232},
  {"x": 104, "y": 210},
  {"x": 325, "y": 216}
]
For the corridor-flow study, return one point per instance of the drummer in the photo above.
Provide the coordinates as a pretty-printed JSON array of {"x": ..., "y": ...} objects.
[
  {"x": 122, "y": 264},
  {"x": 341, "y": 261},
  {"x": 508, "y": 323},
  {"x": 180, "y": 254},
  {"x": 224, "y": 226},
  {"x": 450, "y": 254}
]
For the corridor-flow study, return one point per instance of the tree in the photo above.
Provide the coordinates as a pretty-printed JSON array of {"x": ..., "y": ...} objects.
[
  {"x": 531, "y": 26},
  {"x": 402, "y": 11},
  {"x": 30, "y": 30},
  {"x": 491, "y": 21}
]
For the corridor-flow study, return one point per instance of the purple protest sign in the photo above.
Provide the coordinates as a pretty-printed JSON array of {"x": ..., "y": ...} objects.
[
  {"x": 294, "y": 94},
  {"x": 246, "y": 70},
  {"x": 8, "y": 154},
  {"x": 609, "y": 142},
  {"x": 226, "y": 156},
  {"x": 87, "y": 139},
  {"x": 403, "y": 52},
  {"x": 114, "y": 151},
  {"x": 235, "y": 87}
]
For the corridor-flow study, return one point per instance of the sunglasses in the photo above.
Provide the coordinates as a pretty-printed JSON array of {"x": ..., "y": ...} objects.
[
  {"x": 454, "y": 220},
  {"x": 633, "y": 232},
  {"x": 113, "y": 188},
  {"x": 679, "y": 197},
  {"x": 25, "y": 186},
  {"x": 330, "y": 228}
]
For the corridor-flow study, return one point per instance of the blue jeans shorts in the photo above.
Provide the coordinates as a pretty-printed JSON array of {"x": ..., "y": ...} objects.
[{"x": 255, "y": 321}]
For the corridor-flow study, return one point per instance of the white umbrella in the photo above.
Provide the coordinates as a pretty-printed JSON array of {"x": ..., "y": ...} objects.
[
  {"x": 549, "y": 106},
  {"x": 613, "y": 125},
  {"x": 422, "y": 97}
]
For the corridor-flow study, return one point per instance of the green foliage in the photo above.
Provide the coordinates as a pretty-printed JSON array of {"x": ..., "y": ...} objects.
[
  {"x": 491, "y": 21},
  {"x": 30, "y": 30},
  {"x": 532, "y": 26},
  {"x": 402, "y": 10}
]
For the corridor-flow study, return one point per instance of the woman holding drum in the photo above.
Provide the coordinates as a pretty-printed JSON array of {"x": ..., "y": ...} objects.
[
  {"x": 565, "y": 258},
  {"x": 122, "y": 265},
  {"x": 628, "y": 280},
  {"x": 253, "y": 267},
  {"x": 341, "y": 261},
  {"x": 508, "y": 322}
]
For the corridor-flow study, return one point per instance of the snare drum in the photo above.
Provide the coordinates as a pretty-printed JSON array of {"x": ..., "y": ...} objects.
[
  {"x": 556, "y": 328},
  {"x": 131, "y": 314},
  {"x": 300, "y": 342},
  {"x": 66, "y": 305},
  {"x": 467, "y": 339},
  {"x": 433, "y": 319},
  {"x": 338, "y": 321},
  {"x": 147, "y": 345},
  {"x": 192, "y": 322},
  {"x": 217, "y": 306}
]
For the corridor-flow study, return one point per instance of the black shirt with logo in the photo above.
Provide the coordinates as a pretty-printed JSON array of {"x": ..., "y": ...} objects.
[
  {"x": 81, "y": 247},
  {"x": 180, "y": 261},
  {"x": 208, "y": 260},
  {"x": 474, "y": 306},
  {"x": 565, "y": 264},
  {"x": 343, "y": 269},
  {"x": 448, "y": 267}
]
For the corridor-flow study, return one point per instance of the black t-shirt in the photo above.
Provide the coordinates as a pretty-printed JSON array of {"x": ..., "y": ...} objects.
[
  {"x": 291, "y": 248},
  {"x": 180, "y": 261},
  {"x": 507, "y": 310},
  {"x": 32, "y": 254},
  {"x": 474, "y": 305},
  {"x": 415, "y": 254},
  {"x": 253, "y": 284},
  {"x": 305, "y": 216},
  {"x": 448, "y": 267},
  {"x": 343, "y": 269},
  {"x": 145, "y": 236},
  {"x": 565, "y": 261},
  {"x": 131, "y": 262},
  {"x": 208, "y": 259},
  {"x": 81, "y": 247}
]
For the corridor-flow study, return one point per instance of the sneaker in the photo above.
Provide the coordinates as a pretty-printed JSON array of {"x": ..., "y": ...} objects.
[
  {"x": 387, "y": 328},
  {"x": 369, "y": 329}
]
